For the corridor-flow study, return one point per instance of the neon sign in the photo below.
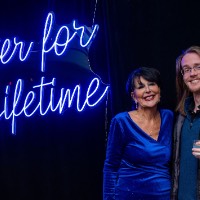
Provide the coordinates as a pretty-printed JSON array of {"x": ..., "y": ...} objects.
[{"x": 33, "y": 101}]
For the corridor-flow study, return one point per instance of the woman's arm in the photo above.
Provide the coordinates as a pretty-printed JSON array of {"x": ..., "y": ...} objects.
[{"x": 113, "y": 159}]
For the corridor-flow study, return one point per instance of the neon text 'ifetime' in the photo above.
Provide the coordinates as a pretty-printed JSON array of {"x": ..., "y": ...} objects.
[{"x": 32, "y": 102}]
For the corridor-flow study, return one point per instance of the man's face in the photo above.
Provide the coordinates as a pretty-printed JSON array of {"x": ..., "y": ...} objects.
[{"x": 191, "y": 67}]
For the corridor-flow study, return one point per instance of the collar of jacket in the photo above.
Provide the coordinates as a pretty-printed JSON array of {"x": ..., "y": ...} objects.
[{"x": 189, "y": 107}]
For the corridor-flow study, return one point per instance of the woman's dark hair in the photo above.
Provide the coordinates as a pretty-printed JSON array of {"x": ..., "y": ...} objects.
[{"x": 149, "y": 74}]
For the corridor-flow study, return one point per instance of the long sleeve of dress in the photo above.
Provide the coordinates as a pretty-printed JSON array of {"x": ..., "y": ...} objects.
[{"x": 113, "y": 159}]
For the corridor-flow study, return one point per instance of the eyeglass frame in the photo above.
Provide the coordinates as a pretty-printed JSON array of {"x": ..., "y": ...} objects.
[{"x": 195, "y": 68}]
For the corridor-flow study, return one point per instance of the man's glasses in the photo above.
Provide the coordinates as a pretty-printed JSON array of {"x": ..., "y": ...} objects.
[{"x": 187, "y": 70}]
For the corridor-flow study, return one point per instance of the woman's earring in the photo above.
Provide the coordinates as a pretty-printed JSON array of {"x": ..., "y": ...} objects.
[{"x": 136, "y": 105}]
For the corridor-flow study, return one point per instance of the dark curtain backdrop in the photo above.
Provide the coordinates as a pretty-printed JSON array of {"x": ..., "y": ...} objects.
[
  {"x": 148, "y": 33},
  {"x": 57, "y": 157}
]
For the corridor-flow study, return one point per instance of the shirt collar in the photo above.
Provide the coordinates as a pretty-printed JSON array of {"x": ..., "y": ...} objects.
[{"x": 189, "y": 106}]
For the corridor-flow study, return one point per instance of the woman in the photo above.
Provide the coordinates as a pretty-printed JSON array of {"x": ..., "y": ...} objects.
[{"x": 139, "y": 144}]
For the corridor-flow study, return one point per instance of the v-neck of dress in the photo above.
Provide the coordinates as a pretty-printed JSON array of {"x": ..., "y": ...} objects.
[{"x": 144, "y": 131}]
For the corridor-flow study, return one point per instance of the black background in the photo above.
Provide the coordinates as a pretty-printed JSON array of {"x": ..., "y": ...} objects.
[{"x": 61, "y": 156}]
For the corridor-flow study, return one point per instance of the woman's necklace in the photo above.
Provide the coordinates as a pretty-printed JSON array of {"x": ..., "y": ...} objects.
[
  {"x": 150, "y": 132},
  {"x": 153, "y": 130},
  {"x": 150, "y": 126}
]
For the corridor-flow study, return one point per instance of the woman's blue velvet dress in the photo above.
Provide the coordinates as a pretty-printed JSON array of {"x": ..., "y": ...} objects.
[{"x": 137, "y": 166}]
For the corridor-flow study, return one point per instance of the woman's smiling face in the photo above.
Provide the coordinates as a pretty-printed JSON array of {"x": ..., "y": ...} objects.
[{"x": 146, "y": 93}]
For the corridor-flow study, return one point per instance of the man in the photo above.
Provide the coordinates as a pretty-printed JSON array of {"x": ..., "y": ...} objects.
[{"x": 186, "y": 168}]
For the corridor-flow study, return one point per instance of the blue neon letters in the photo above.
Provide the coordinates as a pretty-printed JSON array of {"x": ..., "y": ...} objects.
[{"x": 32, "y": 102}]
